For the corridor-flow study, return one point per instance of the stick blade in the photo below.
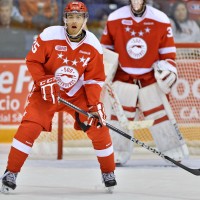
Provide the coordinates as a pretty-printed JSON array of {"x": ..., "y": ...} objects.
[{"x": 192, "y": 171}]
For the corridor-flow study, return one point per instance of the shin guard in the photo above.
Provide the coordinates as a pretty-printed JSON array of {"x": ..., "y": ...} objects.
[{"x": 165, "y": 133}]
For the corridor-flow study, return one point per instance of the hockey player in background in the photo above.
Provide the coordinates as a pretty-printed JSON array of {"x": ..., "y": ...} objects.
[
  {"x": 64, "y": 61},
  {"x": 142, "y": 36}
]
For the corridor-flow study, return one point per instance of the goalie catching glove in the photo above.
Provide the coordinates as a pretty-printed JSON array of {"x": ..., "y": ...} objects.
[
  {"x": 165, "y": 74},
  {"x": 99, "y": 118},
  {"x": 49, "y": 88}
]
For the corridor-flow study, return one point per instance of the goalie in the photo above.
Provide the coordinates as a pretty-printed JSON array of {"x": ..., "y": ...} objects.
[{"x": 142, "y": 37}]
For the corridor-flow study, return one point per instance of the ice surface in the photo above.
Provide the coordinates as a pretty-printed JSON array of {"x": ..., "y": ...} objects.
[{"x": 79, "y": 178}]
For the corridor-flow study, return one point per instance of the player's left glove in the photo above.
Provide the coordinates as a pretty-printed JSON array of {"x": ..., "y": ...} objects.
[
  {"x": 98, "y": 112},
  {"x": 165, "y": 74},
  {"x": 49, "y": 88}
]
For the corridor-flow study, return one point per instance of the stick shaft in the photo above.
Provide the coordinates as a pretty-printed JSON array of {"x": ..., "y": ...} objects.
[{"x": 142, "y": 144}]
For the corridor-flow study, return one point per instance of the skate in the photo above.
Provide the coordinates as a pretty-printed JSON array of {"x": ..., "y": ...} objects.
[
  {"x": 8, "y": 181},
  {"x": 109, "y": 181}
]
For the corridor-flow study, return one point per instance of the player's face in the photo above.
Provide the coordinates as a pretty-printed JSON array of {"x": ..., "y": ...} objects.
[
  {"x": 137, "y": 4},
  {"x": 74, "y": 22}
]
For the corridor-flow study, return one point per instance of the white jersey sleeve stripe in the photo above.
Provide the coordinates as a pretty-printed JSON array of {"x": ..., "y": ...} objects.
[
  {"x": 100, "y": 83},
  {"x": 167, "y": 50}
]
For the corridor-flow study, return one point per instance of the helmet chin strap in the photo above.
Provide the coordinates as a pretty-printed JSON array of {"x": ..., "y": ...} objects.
[{"x": 77, "y": 35}]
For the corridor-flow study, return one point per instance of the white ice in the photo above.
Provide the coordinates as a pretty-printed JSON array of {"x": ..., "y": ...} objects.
[{"x": 77, "y": 177}]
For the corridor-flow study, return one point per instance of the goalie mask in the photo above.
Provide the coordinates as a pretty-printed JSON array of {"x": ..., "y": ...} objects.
[
  {"x": 75, "y": 19},
  {"x": 138, "y": 7}
]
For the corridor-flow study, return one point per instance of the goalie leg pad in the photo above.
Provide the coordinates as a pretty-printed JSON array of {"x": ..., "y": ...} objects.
[
  {"x": 166, "y": 140},
  {"x": 164, "y": 133},
  {"x": 127, "y": 94},
  {"x": 122, "y": 147}
]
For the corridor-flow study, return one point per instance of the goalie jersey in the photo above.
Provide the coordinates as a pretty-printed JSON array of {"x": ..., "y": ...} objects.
[
  {"x": 73, "y": 64},
  {"x": 139, "y": 41}
]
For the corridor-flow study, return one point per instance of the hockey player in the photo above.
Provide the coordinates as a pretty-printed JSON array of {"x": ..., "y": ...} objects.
[
  {"x": 64, "y": 61},
  {"x": 142, "y": 36}
]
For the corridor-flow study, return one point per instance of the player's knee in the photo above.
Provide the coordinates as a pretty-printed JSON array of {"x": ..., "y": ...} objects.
[
  {"x": 28, "y": 131},
  {"x": 100, "y": 135}
]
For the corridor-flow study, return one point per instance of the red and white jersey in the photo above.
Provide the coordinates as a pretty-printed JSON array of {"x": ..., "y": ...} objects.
[
  {"x": 139, "y": 41},
  {"x": 73, "y": 64}
]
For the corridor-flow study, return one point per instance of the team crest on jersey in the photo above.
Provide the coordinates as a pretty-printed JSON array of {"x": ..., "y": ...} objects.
[
  {"x": 136, "y": 48},
  {"x": 66, "y": 76},
  {"x": 60, "y": 48}
]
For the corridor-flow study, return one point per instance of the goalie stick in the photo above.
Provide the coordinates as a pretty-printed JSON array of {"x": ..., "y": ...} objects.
[
  {"x": 170, "y": 114},
  {"x": 169, "y": 111},
  {"x": 142, "y": 144}
]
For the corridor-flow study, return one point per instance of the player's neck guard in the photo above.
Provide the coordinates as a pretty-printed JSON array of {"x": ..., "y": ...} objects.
[
  {"x": 140, "y": 12},
  {"x": 77, "y": 37}
]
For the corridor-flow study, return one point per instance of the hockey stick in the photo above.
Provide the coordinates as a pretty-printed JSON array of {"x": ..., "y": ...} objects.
[
  {"x": 170, "y": 114},
  {"x": 172, "y": 120},
  {"x": 168, "y": 109},
  {"x": 79, "y": 110}
]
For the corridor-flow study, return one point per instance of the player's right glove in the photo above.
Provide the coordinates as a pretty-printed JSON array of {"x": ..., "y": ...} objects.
[
  {"x": 49, "y": 88},
  {"x": 99, "y": 113}
]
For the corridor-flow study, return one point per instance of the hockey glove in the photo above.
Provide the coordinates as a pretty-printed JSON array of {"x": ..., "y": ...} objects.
[
  {"x": 99, "y": 118},
  {"x": 165, "y": 74},
  {"x": 49, "y": 88}
]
